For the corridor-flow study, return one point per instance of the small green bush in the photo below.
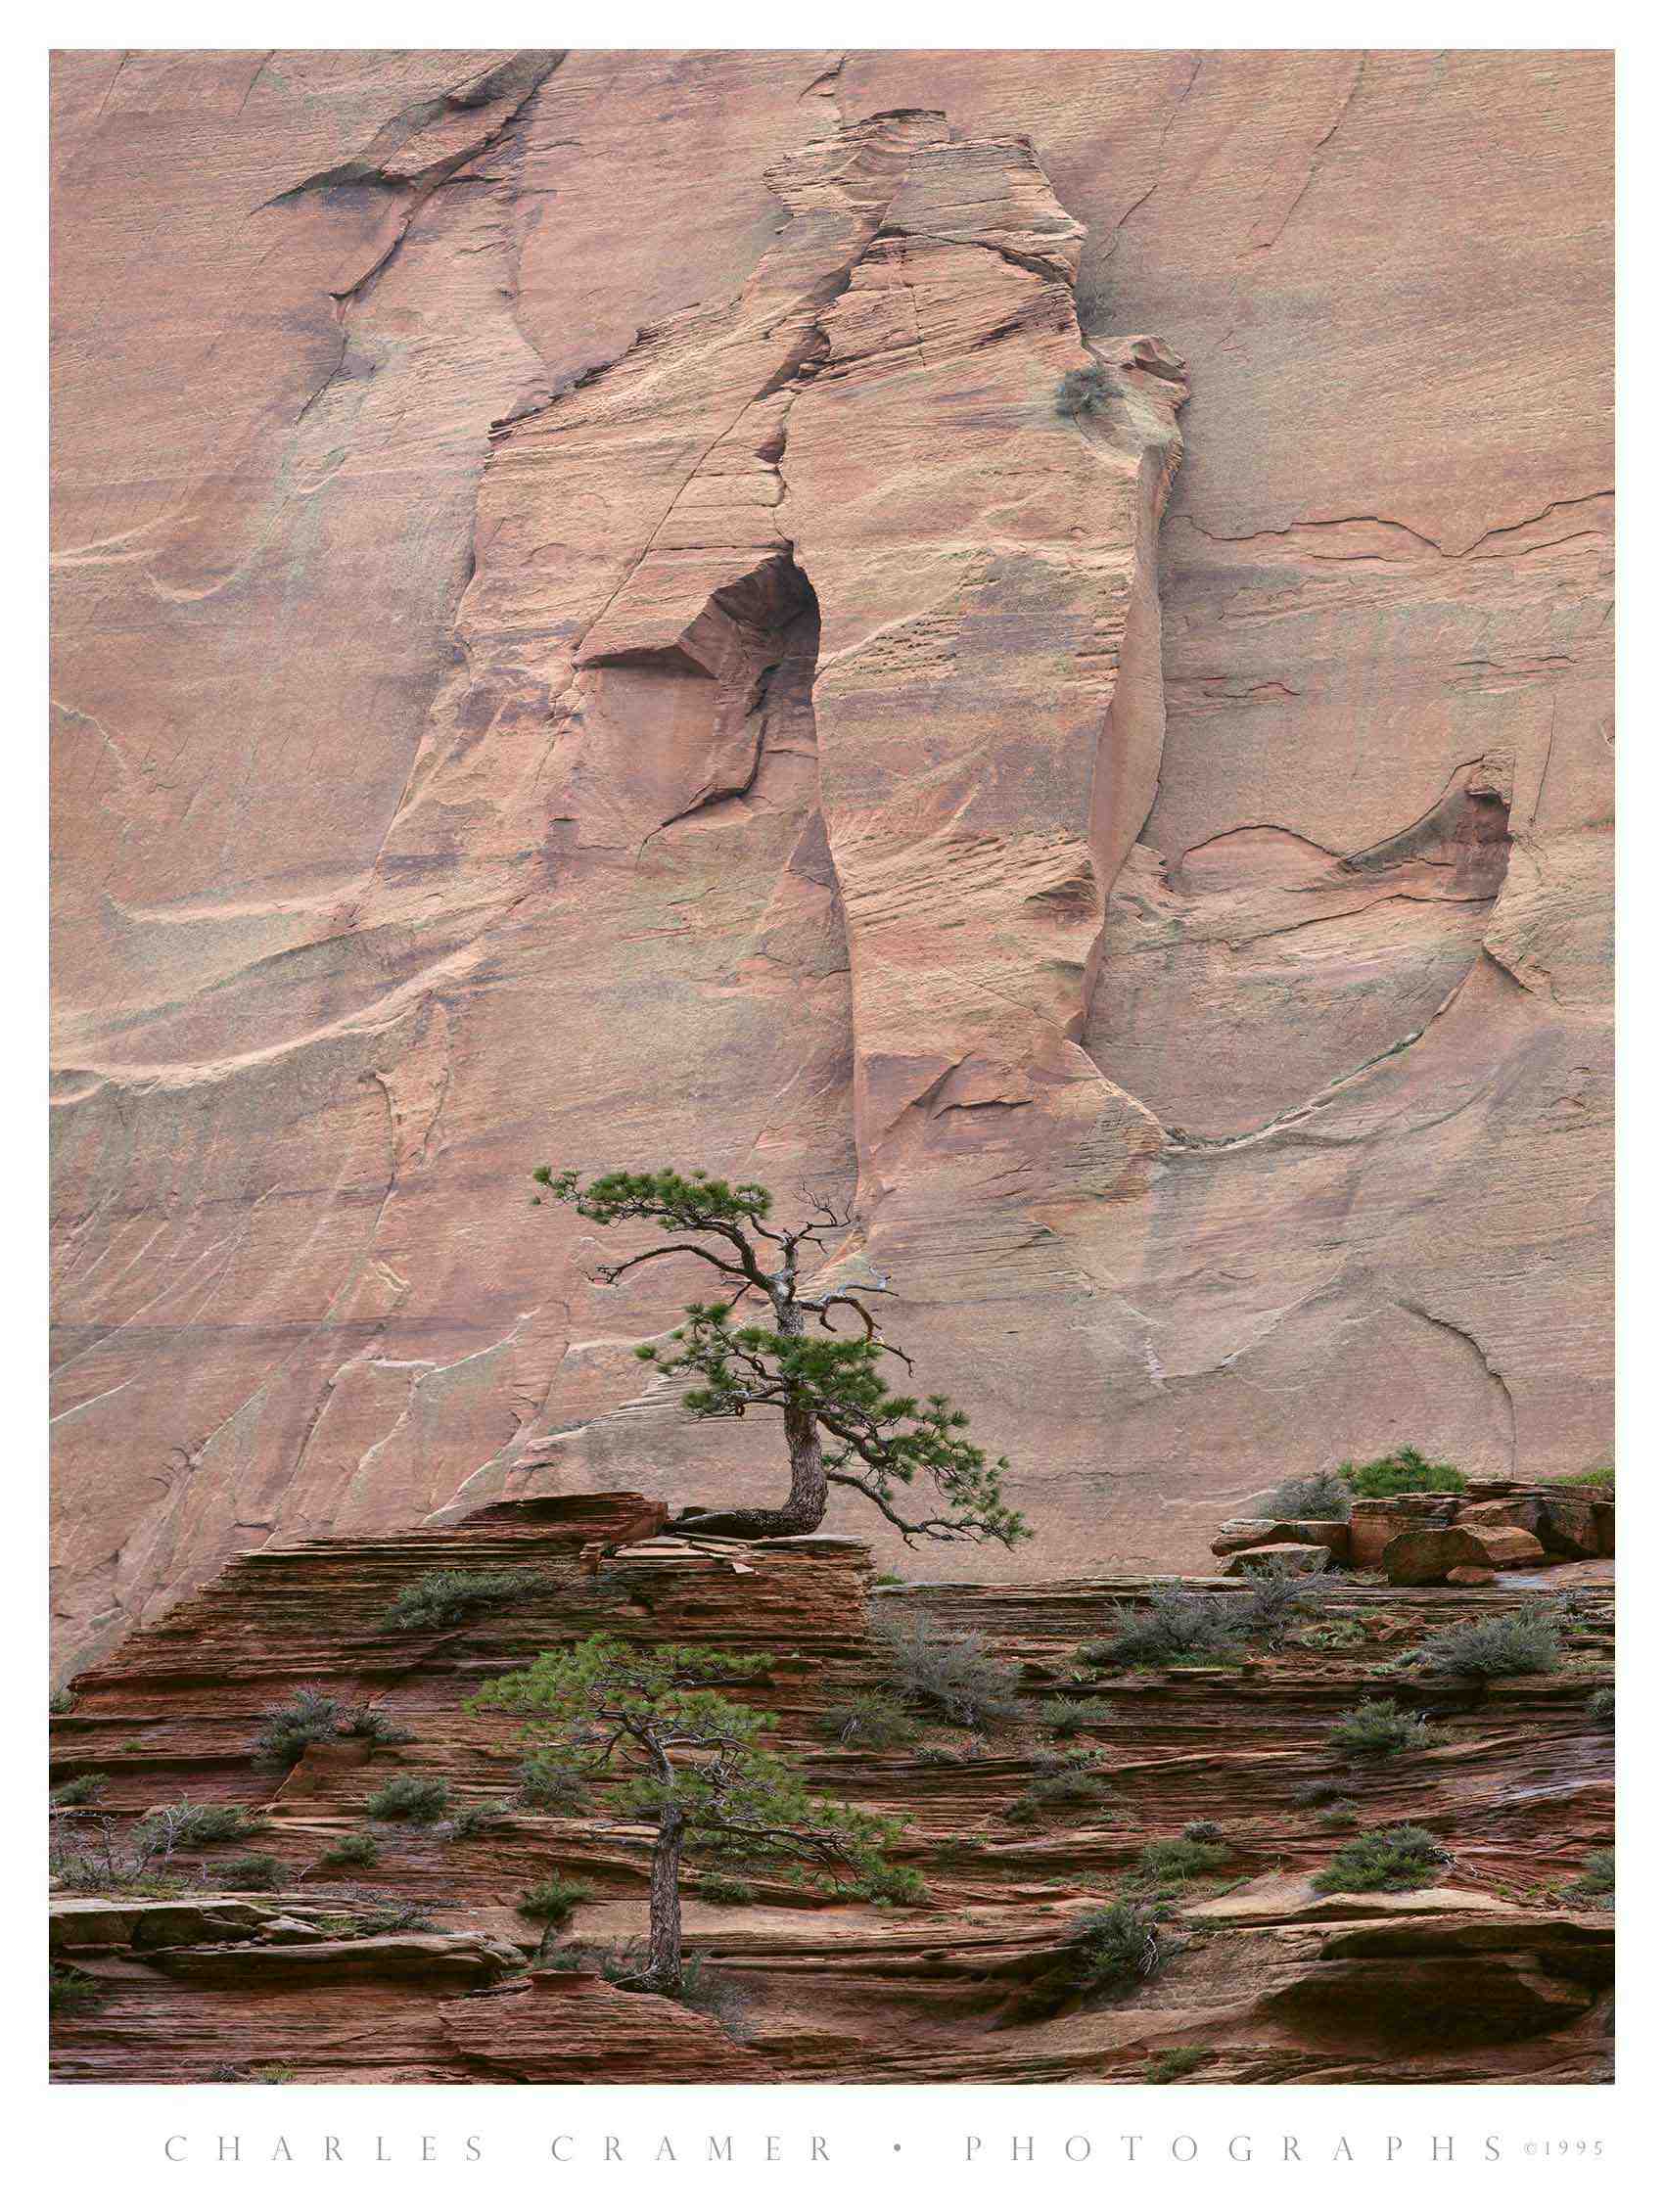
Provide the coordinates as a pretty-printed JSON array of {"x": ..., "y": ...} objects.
[
  {"x": 443, "y": 1599},
  {"x": 1273, "y": 1600},
  {"x": 1343, "y": 1814},
  {"x": 952, "y": 1673},
  {"x": 554, "y": 1900},
  {"x": 1070, "y": 1715},
  {"x": 187, "y": 1825},
  {"x": 1317, "y": 1793},
  {"x": 1202, "y": 1831},
  {"x": 310, "y": 1717},
  {"x": 725, "y": 1889},
  {"x": 1377, "y": 1729},
  {"x": 1597, "y": 1883},
  {"x": 884, "y": 1885},
  {"x": 1072, "y": 1785},
  {"x": 1311, "y": 1498},
  {"x": 1400, "y": 1474},
  {"x": 255, "y": 1870},
  {"x": 1116, "y": 1947},
  {"x": 1084, "y": 392},
  {"x": 1592, "y": 1478},
  {"x": 1525, "y": 1642},
  {"x": 1174, "y": 1623},
  {"x": 360, "y": 1849},
  {"x": 478, "y": 1819},
  {"x": 870, "y": 1719},
  {"x": 370, "y": 1722},
  {"x": 409, "y": 1797},
  {"x": 1177, "y": 1861},
  {"x": 62, "y": 1700},
  {"x": 69, "y": 1990},
  {"x": 81, "y": 1791},
  {"x": 1400, "y": 1858},
  {"x": 1602, "y": 1708},
  {"x": 1175, "y": 2064}
]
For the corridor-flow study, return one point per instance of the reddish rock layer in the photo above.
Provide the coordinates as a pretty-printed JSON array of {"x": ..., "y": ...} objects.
[{"x": 1493, "y": 1974}]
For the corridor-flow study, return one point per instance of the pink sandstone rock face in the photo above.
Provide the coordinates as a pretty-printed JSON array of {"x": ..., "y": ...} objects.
[{"x": 581, "y": 635}]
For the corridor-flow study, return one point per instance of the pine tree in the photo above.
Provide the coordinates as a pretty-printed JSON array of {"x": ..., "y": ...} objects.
[
  {"x": 652, "y": 1735},
  {"x": 843, "y": 1423}
]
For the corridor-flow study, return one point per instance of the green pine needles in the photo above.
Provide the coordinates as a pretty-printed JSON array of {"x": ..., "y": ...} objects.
[
  {"x": 844, "y": 1422},
  {"x": 662, "y": 1744}
]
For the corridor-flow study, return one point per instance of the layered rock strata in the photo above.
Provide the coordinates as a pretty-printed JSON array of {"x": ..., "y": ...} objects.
[{"x": 1494, "y": 1972}]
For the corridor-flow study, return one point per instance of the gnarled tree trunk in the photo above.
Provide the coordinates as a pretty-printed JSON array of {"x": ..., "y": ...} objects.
[
  {"x": 806, "y": 1504},
  {"x": 664, "y": 1904}
]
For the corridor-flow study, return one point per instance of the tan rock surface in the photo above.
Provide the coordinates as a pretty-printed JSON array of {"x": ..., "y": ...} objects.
[{"x": 580, "y": 636}]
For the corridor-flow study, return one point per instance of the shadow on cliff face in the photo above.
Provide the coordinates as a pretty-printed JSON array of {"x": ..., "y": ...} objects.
[{"x": 708, "y": 695}]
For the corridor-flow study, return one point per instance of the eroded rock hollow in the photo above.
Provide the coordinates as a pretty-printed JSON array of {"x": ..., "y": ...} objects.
[{"x": 594, "y": 638}]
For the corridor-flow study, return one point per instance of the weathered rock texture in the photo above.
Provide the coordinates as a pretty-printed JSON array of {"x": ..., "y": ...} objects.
[
  {"x": 1494, "y": 1974},
  {"x": 581, "y": 635}
]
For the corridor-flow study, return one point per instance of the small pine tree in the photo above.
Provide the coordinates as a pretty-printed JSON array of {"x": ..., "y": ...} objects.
[
  {"x": 662, "y": 1744},
  {"x": 843, "y": 1423}
]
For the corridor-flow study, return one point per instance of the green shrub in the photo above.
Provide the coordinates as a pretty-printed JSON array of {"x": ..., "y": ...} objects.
[
  {"x": 1317, "y": 1793},
  {"x": 1311, "y": 1498},
  {"x": 1597, "y": 1883},
  {"x": 1070, "y": 1715},
  {"x": 186, "y": 1824},
  {"x": 1400, "y": 1474},
  {"x": 1377, "y": 1729},
  {"x": 409, "y": 1797},
  {"x": 310, "y": 1717},
  {"x": 1273, "y": 1600},
  {"x": 1525, "y": 1642},
  {"x": 554, "y": 1900},
  {"x": 360, "y": 1849},
  {"x": 81, "y": 1791},
  {"x": 1202, "y": 1831},
  {"x": 369, "y": 1722},
  {"x": 1343, "y": 1814},
  {"x": 1175, "y": 1860},
  {"x": 62, "y": 1700},
  {"x": 1082, "y": 393},
  {"x": 884, "y": 1885},
  {"x": 725, "y": 1889},
  {"x": 952, "y": 1672},
  {"x": 1400, "y": 1858},
  {"x": 69, "y": 1990},
  {"x": 1173, "y": 2065},
  {"x": 478, "y": 1819},
  {"x": 553, "y": 1788},
  {"x": 441, "y": 1600},
  {"x": 1073, "y": 1785},
  {"x": 1115, "y": 1947},
  {"x": 1592, "y": 1478},
  {"x": 870, "y": 1719},
  {"x": 1174, "y": 1623},
  {"x": 1602, "y": 1708},
  {"x": 255, "y": 1870}
]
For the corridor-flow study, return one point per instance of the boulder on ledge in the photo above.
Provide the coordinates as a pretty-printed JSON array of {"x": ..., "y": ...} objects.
[
  {"x": 1246, "y": 1536},
  {"x": 1428, "y": 1554},
  {"x": 1290, "y": 1558}
]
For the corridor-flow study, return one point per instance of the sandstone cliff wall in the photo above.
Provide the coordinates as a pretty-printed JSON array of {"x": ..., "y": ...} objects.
[{"x": 581, "y": 635}]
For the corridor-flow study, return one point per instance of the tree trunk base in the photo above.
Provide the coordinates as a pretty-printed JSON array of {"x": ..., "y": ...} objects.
[{"x": 744, "y": 1523}]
